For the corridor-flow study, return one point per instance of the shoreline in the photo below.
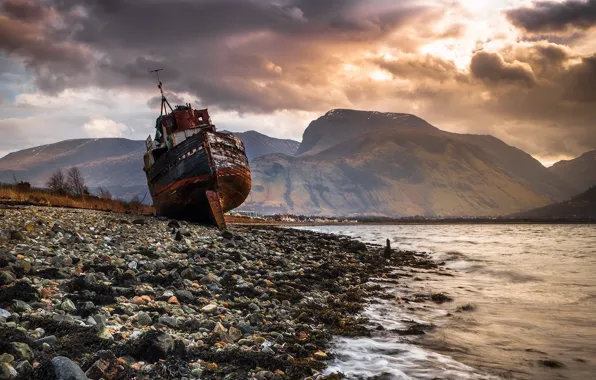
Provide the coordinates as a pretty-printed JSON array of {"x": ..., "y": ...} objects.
[{"x": 126, "y": 295}]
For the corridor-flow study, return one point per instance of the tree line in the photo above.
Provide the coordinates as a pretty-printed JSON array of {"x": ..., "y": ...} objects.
[{"x": 72, "y": 183}]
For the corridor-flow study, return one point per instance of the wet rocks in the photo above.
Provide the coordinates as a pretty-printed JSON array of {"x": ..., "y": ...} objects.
[
  {"x": 21, "y": 351},
  {"x": 154, "y": 346},
  {"x": 66, "y": 369}
]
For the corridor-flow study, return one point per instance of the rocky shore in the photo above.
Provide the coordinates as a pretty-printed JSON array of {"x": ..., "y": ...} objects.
[{"x": 88, "y": 294}]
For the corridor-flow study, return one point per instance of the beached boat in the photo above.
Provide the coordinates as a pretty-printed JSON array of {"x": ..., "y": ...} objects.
[{"x": 194, "y": 173}]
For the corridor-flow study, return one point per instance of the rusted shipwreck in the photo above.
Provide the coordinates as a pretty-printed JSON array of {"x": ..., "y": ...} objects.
[{"x": 194, "y": 173}]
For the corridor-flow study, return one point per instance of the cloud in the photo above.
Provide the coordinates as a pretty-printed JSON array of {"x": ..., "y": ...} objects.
[
  {"x": 551, "y": 16},
  {"x": 491, "y": 67},
  {"x": 272, "y": 65},
  {"x": 103, "y": 127}
]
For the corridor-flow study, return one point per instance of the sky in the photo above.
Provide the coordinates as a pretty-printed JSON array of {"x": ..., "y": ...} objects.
[{"x": 521, "y": 70}]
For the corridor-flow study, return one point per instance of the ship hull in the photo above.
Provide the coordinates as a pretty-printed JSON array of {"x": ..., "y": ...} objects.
[{"x": 200, "y": 179}]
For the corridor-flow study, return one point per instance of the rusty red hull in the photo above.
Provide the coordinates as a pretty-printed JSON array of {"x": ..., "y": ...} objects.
[{"x": 201, "y": 178}]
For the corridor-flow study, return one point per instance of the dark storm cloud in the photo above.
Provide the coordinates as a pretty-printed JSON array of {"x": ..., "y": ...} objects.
[
  {"x": 550, "y": 16},
  {"x": 238, "y": 54},
  {"x": 23, "y": 10},
  {"x": 492, "y": 67}
]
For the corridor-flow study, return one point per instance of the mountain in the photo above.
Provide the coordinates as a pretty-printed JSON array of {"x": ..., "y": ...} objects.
[
  {"x": 342, "y": 124},
  {"x": 579, "y": 172},
  {"x": 113, "y": 163},
  {"x": 348, "y": 163},
  {"x": 357, "y": 162},
  {"x": 582, "y": 206},
  {"x": 257, "y": 144}
]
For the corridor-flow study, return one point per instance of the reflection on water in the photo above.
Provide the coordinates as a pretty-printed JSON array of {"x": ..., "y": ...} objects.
[{"x": 533, "y": 294}]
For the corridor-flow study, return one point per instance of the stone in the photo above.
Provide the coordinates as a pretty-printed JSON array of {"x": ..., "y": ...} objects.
[
  {"x": 22, "y": 350},
  {"x": 17, "y": 235},
  {"x": 197, "y": 372},
  {"x": 235, "y": 334},
  {"x": 105, "y": 366},
  {"x": 6, "y": 358},
  {"x": 68, "y": 306},
  {"x": 211, "y": 308},
  {"x": 168, "y": 321},
  {"x": 139, "y": 222},
  {"x": 221, "y": 333},
  {"x": 154, "y": 346},
  {"x": 66, "y": 369},
  {"x": 144, "y": 319},
  {"x": 320, "y": 355},
  {"x": 7, "y": 372},
  {"x": 24, "y": 369},
  {"x": 6, "y": 278},
  {"x": 21, "y": 306},
  {"x": 4, "y": 313},
  {"x": 264, "y": 375},
  {"x": 185, "y": 296},
  {"x": 104, "y": 333},
  {"x": 50, "y": 340}
]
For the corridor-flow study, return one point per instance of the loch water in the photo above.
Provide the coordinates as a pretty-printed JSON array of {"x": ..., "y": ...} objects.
[{"x": 531, "y": 296}]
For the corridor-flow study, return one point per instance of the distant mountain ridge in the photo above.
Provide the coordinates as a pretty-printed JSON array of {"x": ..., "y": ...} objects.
[
  {"x": 579, "y": 172},
  {"x": 113, "y": 163},
  {"x": 348, "y": 163},
  {"x": 582, "y": 206},
  {"x": 390, "y": 164}
]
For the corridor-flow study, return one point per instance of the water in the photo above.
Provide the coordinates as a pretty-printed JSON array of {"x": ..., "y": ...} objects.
[{"x": 533, "y": 288}]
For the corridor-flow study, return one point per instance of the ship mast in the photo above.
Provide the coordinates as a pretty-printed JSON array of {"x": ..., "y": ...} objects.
[{"x": 164, "y": 101}]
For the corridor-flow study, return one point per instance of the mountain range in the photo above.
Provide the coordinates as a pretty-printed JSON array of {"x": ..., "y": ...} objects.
[{"x": 348, "y": 163}]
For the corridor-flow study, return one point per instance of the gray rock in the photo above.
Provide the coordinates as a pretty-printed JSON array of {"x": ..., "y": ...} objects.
[
  {"x": 66, "y": 369},
  {"x": 50, "y": 339},
  {"x": 7, "y": 372},
  {"x": 6, "y": 358},
  {"x": 68, "y": 306},
  {"x": 22, "y": 350},
  {"x": 154, "y": 346},
  {"x": 20, "y": 306},
  {"x": 24, "y": 368},
  {"x": 6, "y": 278},
  {"x": 264, "y": 375},
  {"x": 4, "y": 314},
  {"x": 168, "y": 321},
  {"x": 211, "y": 308},
  {"x": 144, "y": 319}
]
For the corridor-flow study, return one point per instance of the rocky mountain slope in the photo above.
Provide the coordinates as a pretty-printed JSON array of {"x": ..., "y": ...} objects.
[
  {"x": 258, "y": 144},
  {"x": 579, "y": 172},
  {"x": 399, "y": 165},
  {"x": 582, "y": 206}
]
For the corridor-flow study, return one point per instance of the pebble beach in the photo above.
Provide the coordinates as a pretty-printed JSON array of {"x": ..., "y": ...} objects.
[{"x": 95, "y": 295}]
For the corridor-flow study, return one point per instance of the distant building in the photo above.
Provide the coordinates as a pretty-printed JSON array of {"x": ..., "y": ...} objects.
[{"x": 249, "y": 214}]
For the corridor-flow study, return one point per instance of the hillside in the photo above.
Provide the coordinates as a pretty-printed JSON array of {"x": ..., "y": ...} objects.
[
  {"x": 399, "y": 165},
  {"x": 579, "y": 172},
  {"x": 258, "y": 144},
  {"x": 582, "y": 206}
]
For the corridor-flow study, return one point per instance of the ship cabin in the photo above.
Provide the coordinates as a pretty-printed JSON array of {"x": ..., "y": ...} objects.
[{"x": 173, "y": 128}]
